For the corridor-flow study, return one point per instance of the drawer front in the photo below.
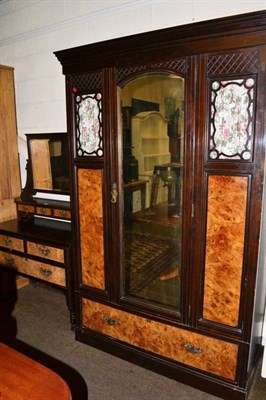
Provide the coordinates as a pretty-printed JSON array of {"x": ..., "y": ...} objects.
[
  {"x": 62, "y": 213},
  {"x": 11, "y": 243},
  {"x": 26, "y": 208},
  {"x": 36, "y": 269},
  {"x": 199, "y": 351},
  {"x": 44, "y": 211},
  {"x": 47, "y": 252}
]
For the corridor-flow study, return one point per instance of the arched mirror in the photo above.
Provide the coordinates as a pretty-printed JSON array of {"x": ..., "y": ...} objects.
[{"x": 152, "y": 130}]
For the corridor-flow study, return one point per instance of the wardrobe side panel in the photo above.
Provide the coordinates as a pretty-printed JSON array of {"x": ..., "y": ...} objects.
[
  {"x": 226, "y": 217},
  {"x": 91, "y": 227}
]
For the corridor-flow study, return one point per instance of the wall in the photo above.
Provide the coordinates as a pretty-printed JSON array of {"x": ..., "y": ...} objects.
[{"x": 31, "y": 30}]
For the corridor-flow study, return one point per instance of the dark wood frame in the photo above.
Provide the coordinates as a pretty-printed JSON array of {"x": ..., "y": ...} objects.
[
  {"x": 193, "y": 42},
  {"x": 29, "y": 190}
]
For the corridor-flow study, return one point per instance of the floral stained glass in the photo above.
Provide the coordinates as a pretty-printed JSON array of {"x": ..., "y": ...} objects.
[
  {"x": 89, "y": 125},
  {"x": 232, "y": 119}
]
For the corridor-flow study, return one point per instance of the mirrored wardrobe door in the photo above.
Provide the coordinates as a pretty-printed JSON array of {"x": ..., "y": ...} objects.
[{"x": 152, "y": 133}]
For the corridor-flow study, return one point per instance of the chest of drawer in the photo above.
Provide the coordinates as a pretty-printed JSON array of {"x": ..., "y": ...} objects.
[
  {"x": 11, "y": 243},
  {"x": 47, "y": 252},
  {"x": 34, "y": 268},
  {"x": 198, "y": 351}
]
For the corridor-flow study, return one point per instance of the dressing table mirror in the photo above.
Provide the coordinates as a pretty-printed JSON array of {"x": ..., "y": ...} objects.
[{"x": 47, "y": 177}]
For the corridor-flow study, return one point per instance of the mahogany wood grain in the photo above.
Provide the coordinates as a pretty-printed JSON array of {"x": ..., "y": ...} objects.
[{"x": 23, "y": 378}]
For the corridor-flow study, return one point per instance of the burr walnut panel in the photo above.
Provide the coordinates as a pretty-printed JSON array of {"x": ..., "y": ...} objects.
[
  {"x": 207, "y": 354},
  {"x": 43, "y": 211},
  {"x": 11, "y": 243},
  {"x": 62, "y": 213},
  {"x": 91, "y": 227},
  {"x": 226, "y": 217},
  {"x": 26, "y": 208},
  {"x": 51, "y": 253},
  {"x": 33, "y": 268}
]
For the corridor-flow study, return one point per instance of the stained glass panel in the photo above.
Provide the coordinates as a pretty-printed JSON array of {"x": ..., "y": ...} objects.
[
  {"x": 89, "y": 125},
  {"x": 231, "y": 119}
]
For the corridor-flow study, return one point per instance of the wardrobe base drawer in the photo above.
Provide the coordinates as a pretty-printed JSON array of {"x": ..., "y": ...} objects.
[
  {"x": 34, "y": 268},
  {"x": 205, "y": 353}
]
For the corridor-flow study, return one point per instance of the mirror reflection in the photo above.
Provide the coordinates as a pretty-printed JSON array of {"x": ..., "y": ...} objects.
[
  {"x": 152, "y": 125},
  {"x": 49, "y": 161}
]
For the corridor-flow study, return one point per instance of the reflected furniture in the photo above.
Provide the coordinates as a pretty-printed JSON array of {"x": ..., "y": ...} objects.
[
  {"x": 131, "y": 187},
  {"x": 190, "y": 308},
  {"x": 170, "y": 174},
  {"x": 23, "y": 378},
  {"x": 10, "y": 185}
]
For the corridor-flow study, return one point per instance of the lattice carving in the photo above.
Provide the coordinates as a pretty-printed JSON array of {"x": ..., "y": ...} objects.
[
  {"x": 176, "y": 66},
  {"x": 90, "y": 82},
  {"x": 235, "y": 63}
]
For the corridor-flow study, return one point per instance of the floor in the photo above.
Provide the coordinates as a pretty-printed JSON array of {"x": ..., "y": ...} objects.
[{"x": 43, "y": 329}]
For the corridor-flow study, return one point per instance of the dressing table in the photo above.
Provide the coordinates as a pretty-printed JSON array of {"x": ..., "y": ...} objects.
[{"x": 38, "y": 243}]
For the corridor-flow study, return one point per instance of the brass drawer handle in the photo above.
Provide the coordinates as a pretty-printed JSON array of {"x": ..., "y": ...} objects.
[
  {"x": 62, "y": 213},
  {"x": 193, "y": 349},
  {"x": 44, "y": 250},
  {"x": 10, "y": 261},
  {"x": 109, "y": 320},
  {"x": 45, "y": 272},
  {"x": 114, "y": 193},
  {"x": 8, "y": 241}
]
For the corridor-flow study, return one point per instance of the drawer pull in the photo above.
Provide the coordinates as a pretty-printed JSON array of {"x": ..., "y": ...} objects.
[
  {"x": 8, "y": 241},
  {"x": 193, "y": 349},
  {"x": 114, "y": 193},
  {"x": 109, "y": 320},
  {"x": 45, "y": 272},
  {"x": 10, "y": 261},
  {"x": 44, "y": 250},
  {"x": 62, "y": 213}
]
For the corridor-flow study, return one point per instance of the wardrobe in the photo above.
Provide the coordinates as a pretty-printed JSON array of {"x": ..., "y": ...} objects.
[{"x": 167, "y": 142}]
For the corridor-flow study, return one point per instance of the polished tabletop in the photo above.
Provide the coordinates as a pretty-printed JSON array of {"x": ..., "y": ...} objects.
[{"x": 22, "y": 378}]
